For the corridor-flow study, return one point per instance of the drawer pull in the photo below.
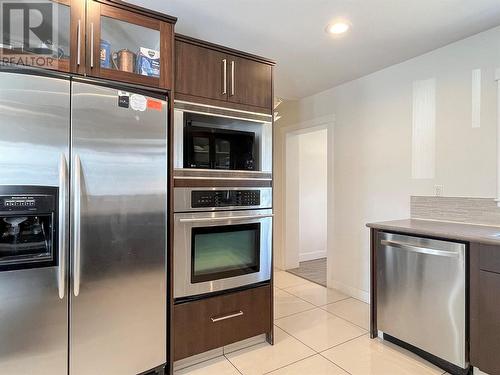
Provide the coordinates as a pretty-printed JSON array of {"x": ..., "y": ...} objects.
[{"x": 233, "y": 315}]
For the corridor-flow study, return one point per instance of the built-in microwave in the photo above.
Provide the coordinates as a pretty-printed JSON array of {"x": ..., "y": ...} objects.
[
  {"x": 222, "y": 239},
  {"x": 221, "y": 139}
]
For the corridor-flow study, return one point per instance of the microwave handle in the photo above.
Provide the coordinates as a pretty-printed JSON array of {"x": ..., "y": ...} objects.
[{"x": 212, "y": 219}]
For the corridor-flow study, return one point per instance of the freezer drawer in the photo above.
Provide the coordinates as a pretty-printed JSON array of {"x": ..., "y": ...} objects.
[{"x": 421, "y": 294}]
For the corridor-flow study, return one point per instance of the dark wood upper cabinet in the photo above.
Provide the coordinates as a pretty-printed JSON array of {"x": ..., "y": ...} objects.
[
  {"x": 128, "y": 44},
  {"x": 215, "y": 75},
  {"x": 109, "y": 39},
  {"x": 250, "y": 82},
  {"x": 199, "y": 71},
  {"x": 54, "y": 44}
]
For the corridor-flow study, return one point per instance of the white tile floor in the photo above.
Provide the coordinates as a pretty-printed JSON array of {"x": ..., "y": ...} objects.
[{"x": 318, "y": 331}]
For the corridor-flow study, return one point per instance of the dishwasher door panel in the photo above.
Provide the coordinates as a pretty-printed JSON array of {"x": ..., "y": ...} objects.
[{"x": 421, "y": 294}]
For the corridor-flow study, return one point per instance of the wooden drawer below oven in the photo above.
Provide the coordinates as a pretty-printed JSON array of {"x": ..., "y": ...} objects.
[{"x": 217, "y": 321}]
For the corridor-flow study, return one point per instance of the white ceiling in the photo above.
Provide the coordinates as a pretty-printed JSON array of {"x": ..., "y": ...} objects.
[{"x": 384, "y": 32}]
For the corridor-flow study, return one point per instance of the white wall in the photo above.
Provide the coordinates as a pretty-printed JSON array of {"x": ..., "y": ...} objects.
[
  {"x": 312, "y": 170},
  {"x": 291, "y": 230},
  {"x": 372, "y": 145}
]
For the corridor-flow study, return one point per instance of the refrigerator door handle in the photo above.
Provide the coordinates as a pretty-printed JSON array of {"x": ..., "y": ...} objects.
[
  {"x": 63, "y": 183},
  {"x": 76, "y": 233}
]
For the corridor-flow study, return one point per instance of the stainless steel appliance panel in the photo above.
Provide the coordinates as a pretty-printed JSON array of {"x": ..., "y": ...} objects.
[
  {"x": 34, "y": 138},
  {"x": 421, "y": 294},
  {"x": 118, "y": 294},
  {"x": 183, "y": 226}
]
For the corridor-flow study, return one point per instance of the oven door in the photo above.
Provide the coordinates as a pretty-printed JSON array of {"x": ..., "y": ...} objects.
[{"x": 215, "y": 251}]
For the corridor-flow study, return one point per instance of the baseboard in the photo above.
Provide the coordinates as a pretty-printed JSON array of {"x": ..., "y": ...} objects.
[
  {"x": 312, "y": 255},
  {"x": 198, "y": 358},
  {"x": 350, "y": 291}
]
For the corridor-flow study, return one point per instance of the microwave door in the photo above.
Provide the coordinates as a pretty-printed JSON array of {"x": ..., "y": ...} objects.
[
  {"x": 223, "y": 153},
  {"x": 199, "y": 149}
]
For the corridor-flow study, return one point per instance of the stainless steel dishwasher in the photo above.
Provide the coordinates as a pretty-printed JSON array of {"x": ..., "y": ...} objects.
[{"x": 421, "y": 295}]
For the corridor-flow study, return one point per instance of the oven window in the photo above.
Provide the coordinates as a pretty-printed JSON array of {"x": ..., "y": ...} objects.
[{"x": 220, "y": 252}]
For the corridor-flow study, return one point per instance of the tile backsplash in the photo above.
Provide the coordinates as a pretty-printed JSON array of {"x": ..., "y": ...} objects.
[{"x": 463, "y": 210}]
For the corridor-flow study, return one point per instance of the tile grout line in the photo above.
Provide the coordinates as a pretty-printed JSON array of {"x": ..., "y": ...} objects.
[
  {"x": 320, "y": 306},
  {"x": 348, "y": 321},
  {"x": 296, "y": 313},
  {"x": 329, "y": 312},
  {"x": 319, "y": 352},
  {"x": 329, "y": 360},
  {"x": 336, "y": 364},
  {"x": 288, "y": 333},
  {"x": 291, "y": 363},
  {"x": 232, "y": 364}
]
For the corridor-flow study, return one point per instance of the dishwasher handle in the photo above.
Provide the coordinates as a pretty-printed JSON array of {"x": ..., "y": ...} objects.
[{"x": 420, "y": 249}]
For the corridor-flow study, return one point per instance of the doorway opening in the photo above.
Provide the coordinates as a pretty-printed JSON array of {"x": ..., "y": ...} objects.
[{"x": 306, "y": 204}]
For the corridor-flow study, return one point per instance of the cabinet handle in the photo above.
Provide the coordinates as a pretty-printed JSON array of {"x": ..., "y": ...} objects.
[
  {"x": 233, "y": 315},
  {"x": 232, "y": 77},
  {"x": 79, "y": 42},
  {"x": 224, "y": 76},
  {"x": 91, "y": 45}
]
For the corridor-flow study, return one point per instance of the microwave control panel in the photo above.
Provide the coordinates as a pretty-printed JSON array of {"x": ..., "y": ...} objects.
[{"x": 225, "y": 198}]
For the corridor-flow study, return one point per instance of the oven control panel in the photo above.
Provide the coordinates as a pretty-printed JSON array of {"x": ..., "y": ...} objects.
[
  {"x": 31, "y": 203},
  {"x": 225, "y": 198}
]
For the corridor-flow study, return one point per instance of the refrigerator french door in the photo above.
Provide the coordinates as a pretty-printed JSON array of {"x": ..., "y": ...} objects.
[
  {"x": 82, "y": 227},
  {"x": 34, "y": 148},
  {"x": 118, "y": 247}
]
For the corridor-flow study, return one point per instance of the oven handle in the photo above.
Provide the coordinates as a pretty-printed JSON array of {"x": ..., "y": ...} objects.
[
  {"x": 63, "y": 183},
  {"x": 208, "y": 219}
]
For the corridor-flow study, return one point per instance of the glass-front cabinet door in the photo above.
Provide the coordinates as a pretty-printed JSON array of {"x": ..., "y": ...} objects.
[
  {"x": 42, "y": 34},
  {"x": 128, "y": 46},
  {"x": 220, "y": 252}
]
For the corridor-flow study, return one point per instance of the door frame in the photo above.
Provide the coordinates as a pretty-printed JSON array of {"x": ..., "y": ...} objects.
[{"x": 283, "y": 258}]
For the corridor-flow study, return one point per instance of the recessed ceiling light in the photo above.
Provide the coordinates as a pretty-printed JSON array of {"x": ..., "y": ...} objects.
[{"x": 339, "y": 27}]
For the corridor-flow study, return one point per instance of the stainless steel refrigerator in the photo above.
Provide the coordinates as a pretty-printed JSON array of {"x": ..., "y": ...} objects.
[{"x": 82, "y": 227}]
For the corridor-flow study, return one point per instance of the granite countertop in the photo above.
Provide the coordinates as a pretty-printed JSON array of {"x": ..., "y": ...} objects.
[{"x": 443, "y": 229}]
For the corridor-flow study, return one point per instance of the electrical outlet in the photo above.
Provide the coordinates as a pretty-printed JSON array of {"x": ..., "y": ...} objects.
[{"x": 438, "y": 190}]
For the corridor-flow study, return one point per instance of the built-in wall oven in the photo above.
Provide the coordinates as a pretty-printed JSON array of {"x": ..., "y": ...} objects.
[
  {"x": 221, "y": 139},
  {"x": 222, "y": 239}
]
